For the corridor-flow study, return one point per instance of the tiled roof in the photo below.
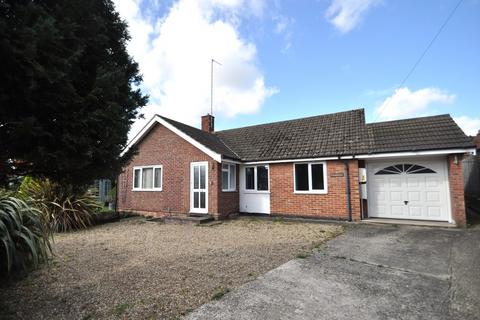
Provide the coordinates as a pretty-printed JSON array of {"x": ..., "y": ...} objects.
[
  {"x": 209, "y": 140},
  {"x": 330, "y": 135},
  {"x": 426, "y": 133},
  {"x": 333, "y": 134}
]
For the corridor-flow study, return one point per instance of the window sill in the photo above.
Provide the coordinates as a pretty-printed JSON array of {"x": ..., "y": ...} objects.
[
  {"x": 198, "y": 212},
  {"x": 146, "y": 190},
  {"x": 229, "y": 190},
  {"x": 310, "y": 192},
  {"x": 254, "y": 191}
]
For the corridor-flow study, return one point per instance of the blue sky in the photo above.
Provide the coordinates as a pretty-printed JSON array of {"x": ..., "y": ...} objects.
[{"x": 290, "y": 59}]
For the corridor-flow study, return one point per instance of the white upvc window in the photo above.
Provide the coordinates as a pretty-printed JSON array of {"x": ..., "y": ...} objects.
[
  {"x": 229, "y": 176},
  {"x": 148, "y": 178},
  {"x": 257, "y": 178},
  {"x": 310, "y": 177}
]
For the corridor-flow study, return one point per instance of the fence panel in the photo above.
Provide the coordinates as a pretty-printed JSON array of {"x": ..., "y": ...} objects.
[{"x": 471, "y": 175}]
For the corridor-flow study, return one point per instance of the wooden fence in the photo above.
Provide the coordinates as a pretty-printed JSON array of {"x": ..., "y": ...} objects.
[{"x": 471, "y": 176}]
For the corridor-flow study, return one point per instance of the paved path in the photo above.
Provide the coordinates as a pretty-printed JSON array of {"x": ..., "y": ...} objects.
[{"x": 370, "y": 272}]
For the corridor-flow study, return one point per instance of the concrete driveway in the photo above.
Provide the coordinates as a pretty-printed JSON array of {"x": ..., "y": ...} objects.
[{"x": 370, "y": 272}]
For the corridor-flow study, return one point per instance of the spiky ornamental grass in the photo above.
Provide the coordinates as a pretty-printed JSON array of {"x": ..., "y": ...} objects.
[
  {"x": 63, "y": 209},
  {"x": 24, "y": 238}
]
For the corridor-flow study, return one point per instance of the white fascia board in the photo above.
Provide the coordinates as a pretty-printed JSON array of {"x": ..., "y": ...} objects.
[
  {"x": 140, "y": 134},
  {"x": 297, "y": 160},
  {"x": 216, "y": 156},
  {"x": 414, "y": 153},
  {"x": 228, "y": 160},
  {"x": 157, "y": 119}
]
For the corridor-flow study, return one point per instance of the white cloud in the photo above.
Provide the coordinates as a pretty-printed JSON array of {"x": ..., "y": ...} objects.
[
  {"x": 283, "y": 26},
  {"x": 346, "y": 14},
  {"x": 469, "y": 125},
  {"x": 174, "y": 54},
  {"x": 405, "y": 103}
]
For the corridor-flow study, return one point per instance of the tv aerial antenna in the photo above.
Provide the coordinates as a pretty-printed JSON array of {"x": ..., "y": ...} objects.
[{"x": 211, "y": 84}]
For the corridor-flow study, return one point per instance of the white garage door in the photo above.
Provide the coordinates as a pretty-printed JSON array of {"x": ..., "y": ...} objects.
[{"x": 408, "y": 189}]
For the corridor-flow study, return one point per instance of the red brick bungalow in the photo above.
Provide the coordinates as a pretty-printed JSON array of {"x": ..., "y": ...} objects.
[{"x": 332, "y": 166}]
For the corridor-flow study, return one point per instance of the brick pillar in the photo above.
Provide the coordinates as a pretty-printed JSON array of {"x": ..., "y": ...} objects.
[
  {"x": 354, "y": 189},
  {"x": 457, "y": 198},
  {"x": 213, "y": 181}
]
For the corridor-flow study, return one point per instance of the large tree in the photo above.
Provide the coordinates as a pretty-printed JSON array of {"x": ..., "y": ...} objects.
[{"x": 69, "y": 90}]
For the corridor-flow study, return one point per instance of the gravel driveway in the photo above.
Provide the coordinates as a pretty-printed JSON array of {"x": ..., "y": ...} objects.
[{"x": 148, "y": 270}]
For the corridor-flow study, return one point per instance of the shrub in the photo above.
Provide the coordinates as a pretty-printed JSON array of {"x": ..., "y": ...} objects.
[
  {"x": 63, "y": 208},
  {"x": 24, "y": 238}
]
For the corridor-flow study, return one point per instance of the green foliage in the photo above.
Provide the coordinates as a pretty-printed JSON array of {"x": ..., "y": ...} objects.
[
  {"x": 112, "y": 194},
  {"x": 24, "y": 239},
  {"x": 62, "y": 208},
  {"x": 220, "y": 293},
  {"x": 69, "y": 90},
  {"x": 120, "y": 308},
  {"x": 303, "y": 255},
  {"x": 278, "y": 219},
  {"x": 105, "y": 210}
]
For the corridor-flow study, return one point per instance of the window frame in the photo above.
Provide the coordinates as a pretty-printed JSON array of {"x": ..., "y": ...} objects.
[
  {"x": 229, "y": 164},
  {"x": 310, "y": 190},
  {"x": 141, "y": 168},
  {"x": 394, "y": 169},
  {"x": 255, "y": 177}
]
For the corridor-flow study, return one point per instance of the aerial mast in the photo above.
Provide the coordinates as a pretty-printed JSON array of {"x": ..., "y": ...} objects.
[{"x": 211, "y": 85}]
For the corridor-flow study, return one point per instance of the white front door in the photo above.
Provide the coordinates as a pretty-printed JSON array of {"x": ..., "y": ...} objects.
[
  {"x": 408, "y": 189},
  {"x": 199, "y": 187},
  {"x": 255, "y": 189}
]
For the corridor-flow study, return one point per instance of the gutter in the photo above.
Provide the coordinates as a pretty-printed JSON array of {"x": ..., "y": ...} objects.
[{"x": 366, "y": 156}]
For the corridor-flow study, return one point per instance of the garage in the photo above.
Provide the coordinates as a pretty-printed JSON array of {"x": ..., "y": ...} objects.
[{"x": 411, "y": 188}]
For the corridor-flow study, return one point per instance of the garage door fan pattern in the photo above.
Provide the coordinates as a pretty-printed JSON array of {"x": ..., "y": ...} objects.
[{"x": 405, "y": 168}]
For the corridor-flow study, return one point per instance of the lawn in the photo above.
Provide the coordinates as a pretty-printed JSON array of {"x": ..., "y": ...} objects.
[{"x": 148, "y": 270}]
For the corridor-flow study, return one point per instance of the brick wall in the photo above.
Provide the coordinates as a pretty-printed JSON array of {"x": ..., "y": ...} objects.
[
  {"x": 228, "y": 202},
  {"x": 457, "y": 198},
  {"x": 163, "y": 147},
  {"x": 332, "y": 205}
]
